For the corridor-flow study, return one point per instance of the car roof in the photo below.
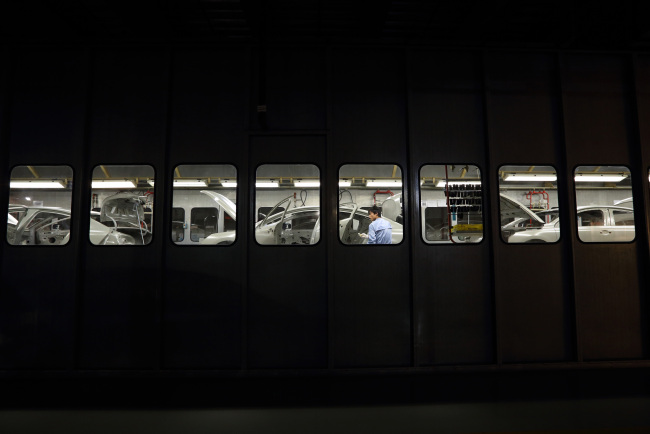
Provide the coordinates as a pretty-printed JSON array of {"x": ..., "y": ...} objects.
[{"x": 622, "y": 208}]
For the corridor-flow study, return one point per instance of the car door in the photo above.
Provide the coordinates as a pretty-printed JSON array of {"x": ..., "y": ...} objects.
[
  {"x": 593, "y": 226},
  {"x": 622, "y": 224},
  {"x": 346, "y": 223},
  {"x": 269, "y": 231}
]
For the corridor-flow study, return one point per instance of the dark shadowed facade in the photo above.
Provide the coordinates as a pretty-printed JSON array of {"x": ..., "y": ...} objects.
[{"x": 254, "y": 83}]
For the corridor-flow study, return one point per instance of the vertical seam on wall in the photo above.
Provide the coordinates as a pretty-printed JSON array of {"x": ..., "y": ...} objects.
[
  {"x": 412, "y": 201},
  {"x": 248, "y": 229},
  {"x": 159, "y": 302},
  {"x": 566, "y": 216},
  {"x": 4, "y": 141},
  {"x": 495, "y": 227},
  {"x": 331, "y": 199},
  {"x": 84, "y": 184},
  {"x": 639, "y": 184}
]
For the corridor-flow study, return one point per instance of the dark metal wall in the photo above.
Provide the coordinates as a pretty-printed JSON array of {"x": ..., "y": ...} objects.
[
  {"x": 326, "y": 307},
  {"x": 532, "y": 287}
]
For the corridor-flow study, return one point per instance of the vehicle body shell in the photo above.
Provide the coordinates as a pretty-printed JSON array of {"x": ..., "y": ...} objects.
[
  {"x": 295, "y": 226},
  {"x": 595, "y": 224},
  {"x": 51, "y": 226}
]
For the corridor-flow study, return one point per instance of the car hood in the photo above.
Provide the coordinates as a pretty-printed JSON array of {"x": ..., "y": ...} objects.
[
  {"x": 392, "y": 207},
  {"x": 228, "y": 205},
  {"x": 510, "y": 208},
  {"x": 122, "y": 207}
]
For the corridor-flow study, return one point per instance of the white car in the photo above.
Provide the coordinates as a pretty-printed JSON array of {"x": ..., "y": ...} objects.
[
  {"x": 125, "y": 213},
  {"x": 51, "y": 227},
  {"x": 595, "y": 224},
  {"x": 297, "y": 226}
]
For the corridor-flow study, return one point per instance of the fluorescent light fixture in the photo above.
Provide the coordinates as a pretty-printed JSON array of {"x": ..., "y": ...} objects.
[
  {"x": 35, "y": 184},
  {"x": 529, "y": 177},
  {"x": 113, "y": 184},
  {"x": 229, "y": 184},
  {"x": 384, "y": 183},
  {"x": 348, "y": 183},
  {"x": 599, "y": 178},
  {"x": 190, "y": 183},
  {"x": 443, "y": 182},
  {"x": 150, "y": 182},
  {"x": 307, "y": 184},
  {"x": 266, "y": 184}
]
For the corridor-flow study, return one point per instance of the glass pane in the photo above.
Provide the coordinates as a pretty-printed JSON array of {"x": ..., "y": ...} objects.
[
  {"x": 371, "y": 207},
  {"x": 605, "y": 207},
  {"x": 451, "y": 196},
  {"x": 207, "y": 193},
  {"x": 122, "y": 198},
  {"x": 528, "y": 204},
  {"x": 40, "y": 198},
  {"x": 203, "y": 223},
  {"x": 287, "y": 201}
]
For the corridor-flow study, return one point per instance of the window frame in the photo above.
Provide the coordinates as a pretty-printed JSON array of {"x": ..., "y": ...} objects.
[
  {"x": 191, "y": 244},
  {"x": 70, "y": 209},
  {"x": 287, "y": 209},
  {"x": 559, "y": 210},
  {"x": 608, "y": 214},
  {"x": 422, "y": 211},
  {"x": 404, "y": 203}
]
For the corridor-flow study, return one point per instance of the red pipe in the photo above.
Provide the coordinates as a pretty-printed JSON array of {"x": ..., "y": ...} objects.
[
  {"x": 448, "y": 208},
  {"x": 544, "y": 194},
  {"x": 374, "y": 196}
]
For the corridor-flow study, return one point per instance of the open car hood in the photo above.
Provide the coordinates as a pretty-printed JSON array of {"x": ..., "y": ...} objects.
[
  {"x": 510, "y": 208},
  {"x": 228, "y": 205},
  {"x": 124, "y": 208},
  {"x": 391, "y": 208}
]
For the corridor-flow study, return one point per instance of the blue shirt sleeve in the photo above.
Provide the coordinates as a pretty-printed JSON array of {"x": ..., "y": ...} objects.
[
  {"x": 380, "y": 232},
  {"x": 372, "y": 235}
]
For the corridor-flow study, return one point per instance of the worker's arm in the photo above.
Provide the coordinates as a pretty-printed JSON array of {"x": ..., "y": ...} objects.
[{"x": 372, "y": 236}]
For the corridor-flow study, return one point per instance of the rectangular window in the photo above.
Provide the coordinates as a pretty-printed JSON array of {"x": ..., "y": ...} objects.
[
  {"x": 451, "y": 198},
  {"x": 123, "y": 197},
  {"x": 528, "y": 204},
  {"x": 208, "y": 194},
  {"x": 287, "y": 197},
  {"x": 371, "y": 204},
  {"x": 40, "y": 199},
  {"x": 604, "y": 203},
  {"x": 204, "y": 222}
]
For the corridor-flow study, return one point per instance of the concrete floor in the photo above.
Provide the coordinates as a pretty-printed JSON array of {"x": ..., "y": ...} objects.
[{"x": 594, "y": 416}]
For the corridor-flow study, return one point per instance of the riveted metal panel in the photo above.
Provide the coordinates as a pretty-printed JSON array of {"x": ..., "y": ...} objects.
[
  {"x": 121, "y": 284},
  {"x": 453, "y": 308},
  {"x": 203, "y": 286},
  {"x": 39, "y": 283},
  {"x": 600, "y": 129},
  {"x": 370, "y": 285},
  {"x": 287, "y": 290},
  {"x": 532, "y": 282}
]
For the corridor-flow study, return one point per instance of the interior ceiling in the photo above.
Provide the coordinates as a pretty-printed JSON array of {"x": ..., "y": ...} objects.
[
  {"x": 597, "y": 24},
  {"x": 455, "y": 171}
]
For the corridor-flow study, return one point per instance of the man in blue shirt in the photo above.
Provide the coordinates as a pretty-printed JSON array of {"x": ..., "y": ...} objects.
[{"x": 379, "y": 231}]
